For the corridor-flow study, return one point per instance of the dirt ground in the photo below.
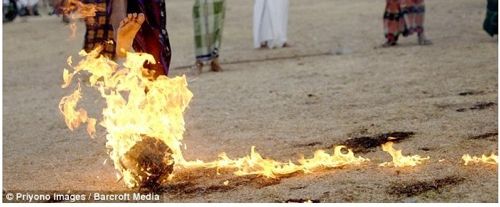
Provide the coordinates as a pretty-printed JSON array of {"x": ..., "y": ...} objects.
[{"x": 337, "y": 86}]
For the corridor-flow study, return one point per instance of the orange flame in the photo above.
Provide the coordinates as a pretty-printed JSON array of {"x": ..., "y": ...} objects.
[
  {"x": 398, "y": 159},
  {"x": 131, "y": 112},
  {"x": 138, "y": 106},
  {"x": 492, "y": 159},
  {"x": 76, "y": 9},
  {"x": 255, "y": 164},
  {"x": 79, "y": 9}
]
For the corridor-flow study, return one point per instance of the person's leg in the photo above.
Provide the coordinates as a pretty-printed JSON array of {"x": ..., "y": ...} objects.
[
  {"x": 409, "y": 13},
  {"x": 218, "y": 27},
  {"x": 391, "y": 22},
  {"x": 126, "y": 32},
  {"x": 152, "y": 37},
  {"x": 29, "y": 8},
  {"x": 215, "y": 66},
  {"x": 198, "y": 26},
  {"x": 198, "y": 64},
  {"x": 419, "y": 22},
  {"x": 125, "y": 26},
  {"x": 35, "y": 10},
  {"x": 118, "y": 13}
]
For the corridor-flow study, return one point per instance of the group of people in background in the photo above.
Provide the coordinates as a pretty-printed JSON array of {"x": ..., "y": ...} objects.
[
  {"x": 140, "y": 25},
  {"x": 22, "y": 8},
  {"x": 404, "y": 18},
  {"x": 270, "y": 24}
]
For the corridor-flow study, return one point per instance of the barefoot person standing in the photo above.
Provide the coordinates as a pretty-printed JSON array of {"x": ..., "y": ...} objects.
[
  {"x": 404, "y": 17},
  {"x": 121, "y": 26},
  {"x": 270, "y": 23},
  {"x": 208, "y": 22}
]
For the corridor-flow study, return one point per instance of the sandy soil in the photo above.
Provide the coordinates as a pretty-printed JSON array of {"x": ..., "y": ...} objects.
[{"x": 285, "y": 107}]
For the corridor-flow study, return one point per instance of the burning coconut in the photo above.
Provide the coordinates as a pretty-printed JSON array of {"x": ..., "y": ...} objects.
[{"x": 143, "y": 118}]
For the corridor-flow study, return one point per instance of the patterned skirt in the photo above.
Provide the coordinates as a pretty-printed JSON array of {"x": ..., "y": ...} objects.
[
  {"x": 208, "y": 21},
  {"x": 99, "y": 31},
  {"x": 152, "y": 38},
  {"x": 403, "y": 17}
]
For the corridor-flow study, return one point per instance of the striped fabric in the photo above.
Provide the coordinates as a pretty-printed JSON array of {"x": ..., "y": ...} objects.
[
  {"x": 208, "y": 21},
  {"x": 99, "y": 30},
  {"x": 403, "y": 17},
  {"x": 152, "y": 38}
]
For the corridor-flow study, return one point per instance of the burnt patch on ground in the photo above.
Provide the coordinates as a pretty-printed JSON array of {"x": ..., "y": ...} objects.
[
  {"x": 483, "y": 105},
  {"x": 409, "y": 189},
  {"x": 311, "y": 144},
  {"x": 301, "y": 200},
  {"x": 312, "y": 99},
  {"x": 366, "y": 144},
  {"x": 478, "y": 106},
  {"x": 256, "y": 181},
  {"x": 470, "y": 93},
  {"x": 192, "y": 183},
  {"x": 425, "y": 149},
  {"x": 209, "y": 189},
  {"x": 493, "y": 136},
  {"x": 298, "y": 187},
  {"x": 190, "y": 189}
]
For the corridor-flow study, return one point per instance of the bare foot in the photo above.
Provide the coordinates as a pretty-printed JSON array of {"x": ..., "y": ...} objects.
[
  {"x": 129, "y": 27},
  {"x": 216, "y": 65},
  {"x": 198, "y": 67},
  {"x": 388, "y": 44},
  {"x": 422, "y": 40},
  {"x": 263, "y": 45}
]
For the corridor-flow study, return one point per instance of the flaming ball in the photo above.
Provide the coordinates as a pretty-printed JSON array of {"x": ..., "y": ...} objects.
[{"x": 149, "y": 162}]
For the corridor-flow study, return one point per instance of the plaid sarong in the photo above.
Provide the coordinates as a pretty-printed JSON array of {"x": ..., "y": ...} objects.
[
  {"x": 99, "y": 30},
  {"x": 208, "y": 21},
  {"x": 403, "y": 17},
  {"x": 152, "y": 38}
]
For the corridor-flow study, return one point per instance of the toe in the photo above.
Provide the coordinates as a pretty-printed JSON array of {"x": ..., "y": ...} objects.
[
  {"x": 123, "y": 22},
  {"x": 141, "y": 18}
]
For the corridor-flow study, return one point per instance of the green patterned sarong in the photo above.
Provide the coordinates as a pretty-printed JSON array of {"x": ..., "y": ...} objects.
[{"x": 208, "y": 21}]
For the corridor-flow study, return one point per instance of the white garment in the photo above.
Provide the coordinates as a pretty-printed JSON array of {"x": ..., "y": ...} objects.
[
  {"x": 270, "y": 22},
  {"x": 27, "y": 3}
]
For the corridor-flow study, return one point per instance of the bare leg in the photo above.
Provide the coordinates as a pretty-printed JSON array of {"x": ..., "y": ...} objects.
[
  {"x": 30, "y": 11},
  {"x": 126, "y": 32},
  {"x": 198, "y": 66},
  {"x": 216, "y": 65},
  {"x": 419, "y": 22},
  {"x": 118, "y": 13}
]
